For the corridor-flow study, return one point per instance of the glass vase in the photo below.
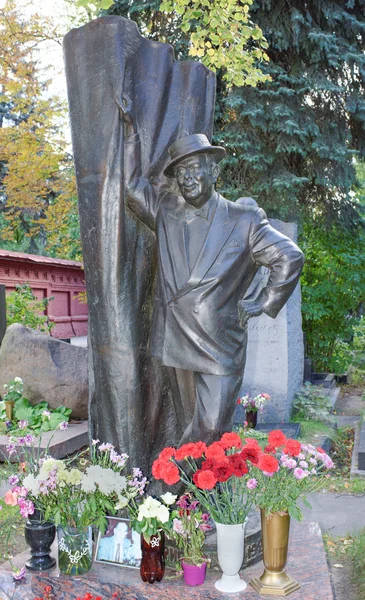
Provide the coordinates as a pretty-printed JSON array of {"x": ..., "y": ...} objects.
[
  {"x": 74, "y": 550},
  {"x": 251, "y": 418},
  {"x": 153, "y": 558}
]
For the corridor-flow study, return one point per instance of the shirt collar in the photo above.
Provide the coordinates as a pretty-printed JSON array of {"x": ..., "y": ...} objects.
[{"x": 206, "y": 211}]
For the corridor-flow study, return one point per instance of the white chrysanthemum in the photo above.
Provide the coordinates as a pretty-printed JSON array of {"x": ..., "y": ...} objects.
[
  {"x": 168, "y": 498},
  {"x": 107, "y": 480},
  {"x": 31, "y": 484},
  {"x": 87, "y": 484}
]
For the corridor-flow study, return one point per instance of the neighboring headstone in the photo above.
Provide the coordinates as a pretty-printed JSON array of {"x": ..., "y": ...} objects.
[
  {"x": 275, "y": 350},
  {"x": 51, "y": 370},
  {"x": 2, "y": 312}
]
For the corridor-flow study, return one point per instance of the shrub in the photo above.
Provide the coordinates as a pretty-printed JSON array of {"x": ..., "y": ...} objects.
[{"x": 24, "y": 308}]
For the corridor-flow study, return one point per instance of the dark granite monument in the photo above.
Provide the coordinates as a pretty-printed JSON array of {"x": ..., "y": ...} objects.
[{"x": 168, "y": 260}]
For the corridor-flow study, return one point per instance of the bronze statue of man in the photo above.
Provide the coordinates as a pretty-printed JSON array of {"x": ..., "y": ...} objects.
[{"x": 209, "y": 250}]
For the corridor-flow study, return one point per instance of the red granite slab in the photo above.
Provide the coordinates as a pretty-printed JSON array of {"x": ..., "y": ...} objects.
[{"x": 306, "y": 562}]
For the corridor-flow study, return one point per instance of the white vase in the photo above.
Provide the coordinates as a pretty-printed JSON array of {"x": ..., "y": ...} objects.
[{"x": 230, "y": 548}]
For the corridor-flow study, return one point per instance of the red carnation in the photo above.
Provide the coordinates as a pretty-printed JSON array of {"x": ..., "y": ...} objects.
[
  {"x": 230, "y": 440},
  {"x": 205, "y": 480},
  {"x": 268, "y": 463},
  {"x": 200, "y": 449},
  {"x": 167, "y": 453},
  {"x": 208, "y": 464},
  {"x": 319, "y": 449},
  {"x": 250, "y": 453},
  {"x": 269, "y": 448},
  {"x": 185, "y": 451},
  {"x": 253, "y": 443},
  {"x": 239, "y": 465},
  {"x": 216, "y": 452},
  {"x": 170, "y": 473},
  {"x": 156, "y": 468},
  {"x": 292, "y": 447},
  {"x": 276, "y": 438},
  {"x": 223, "y": 471},
  {"x": 195, "y": 477}
]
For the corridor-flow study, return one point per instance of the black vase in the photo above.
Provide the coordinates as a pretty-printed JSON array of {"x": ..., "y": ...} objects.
[{"x": 39, "y": 535}]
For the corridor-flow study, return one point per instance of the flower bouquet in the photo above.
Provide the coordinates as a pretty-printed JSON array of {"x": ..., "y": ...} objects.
[
  {"x": 286, "y": 471},
  {"x": 152, "y": 519},
  {"x": 218, "y": 476},
  {"x": 252, "y": 406},
  {"x": 189, "y": 531}
]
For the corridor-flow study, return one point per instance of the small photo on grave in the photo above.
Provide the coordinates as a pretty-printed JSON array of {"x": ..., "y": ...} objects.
[{"x": 119, "y": 545}]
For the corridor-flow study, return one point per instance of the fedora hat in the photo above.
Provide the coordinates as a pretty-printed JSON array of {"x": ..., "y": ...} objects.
[{"x": 197, "y": 143}]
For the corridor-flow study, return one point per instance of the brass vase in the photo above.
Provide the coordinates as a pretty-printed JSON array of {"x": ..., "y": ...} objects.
[{"x": 275, "y": 538}]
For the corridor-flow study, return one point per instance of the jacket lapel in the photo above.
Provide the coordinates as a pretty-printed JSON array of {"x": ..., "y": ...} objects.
[
  {"x": 176, "y": 243},
  {"x": 218, "y": 234}
]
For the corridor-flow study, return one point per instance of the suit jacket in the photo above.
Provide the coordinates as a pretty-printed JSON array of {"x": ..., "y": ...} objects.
[{"x": 195, "y": 322}]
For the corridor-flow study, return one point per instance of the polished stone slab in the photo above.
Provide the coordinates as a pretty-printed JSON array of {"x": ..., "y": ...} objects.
[
  {"x": 61, "y": 443},
  {"x": 291, "y": 430},
  {"x": 306, "y": 563}
]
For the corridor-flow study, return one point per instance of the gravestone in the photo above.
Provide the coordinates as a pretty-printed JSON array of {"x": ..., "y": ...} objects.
[{"x": 275, "y": 350}]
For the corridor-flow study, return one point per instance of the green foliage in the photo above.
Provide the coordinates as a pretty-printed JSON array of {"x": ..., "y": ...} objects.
[
  {"x": 221, "y": 33},
  {"x": 333, "y": 288},
  {"x": 291, "y": 141},
  {"x": 311, "y": 404},
  {"x": 223, "y": 37},
  {"x": 24, "y": 308},
  {"x": 26, "y": 417}
]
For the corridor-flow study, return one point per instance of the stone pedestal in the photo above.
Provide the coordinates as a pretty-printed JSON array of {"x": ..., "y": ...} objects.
[{"x": 275, "y": 350}]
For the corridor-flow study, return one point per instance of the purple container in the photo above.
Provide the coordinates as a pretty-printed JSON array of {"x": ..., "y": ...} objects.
[{"x": 194, "y": 575}]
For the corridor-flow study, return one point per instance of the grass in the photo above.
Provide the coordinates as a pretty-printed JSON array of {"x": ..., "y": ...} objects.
[{"x": 351, "y": 549}]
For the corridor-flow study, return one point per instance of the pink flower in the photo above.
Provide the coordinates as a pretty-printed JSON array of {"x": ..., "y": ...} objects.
[
  {"x": 205, "y": 527},
  {"x": 267, "y": 474},
  {"x": 251, "y": 484},
  {"x": 13, "y": 479},
  {"x": 22, "y": 424},
  {"x": 206, "y": 517},
  {"x": 19, "y": 573},
  {"x": 11, "y": 448},
  {"x": 178, "y": 526},
  {"x": 11, "y": 498},
  {"x": 301, "y": 456},
  {"x": 303, "y": 464},
  {"x": 63, "y": 425},
  {"x": 299, "y": 473},
  {"x": 266, "y": 396},
  {"x": 26, "y": 508},
  {"x": 290, "y": 463},
  {"x": 105, "y": 447}
]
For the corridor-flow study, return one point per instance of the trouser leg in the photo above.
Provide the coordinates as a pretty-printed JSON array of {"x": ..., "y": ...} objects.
[
  {"x": 215, "y": 401},
  {"x": 182, "y": 385}
]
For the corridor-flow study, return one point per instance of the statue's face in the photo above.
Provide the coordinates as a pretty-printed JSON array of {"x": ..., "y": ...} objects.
[{"x": 196, "y": 178}]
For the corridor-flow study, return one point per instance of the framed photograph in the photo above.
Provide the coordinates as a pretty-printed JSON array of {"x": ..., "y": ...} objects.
[{"x": 119, "y": 545}]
